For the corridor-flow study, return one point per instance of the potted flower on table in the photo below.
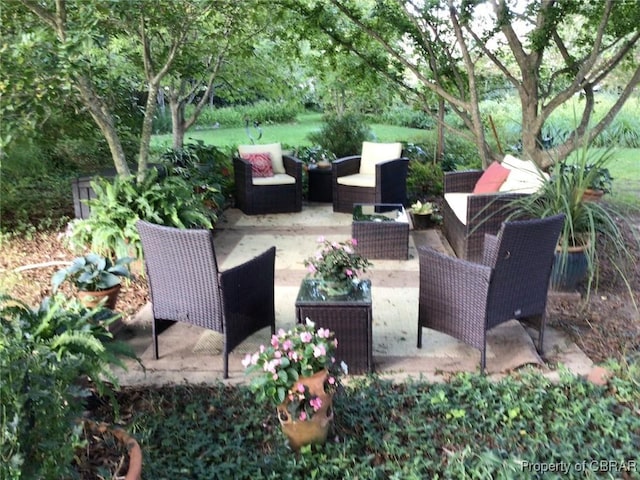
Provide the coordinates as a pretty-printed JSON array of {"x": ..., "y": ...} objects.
[
  {"x": 337, "y": 266},
  {"x": 297, "y": 373}
]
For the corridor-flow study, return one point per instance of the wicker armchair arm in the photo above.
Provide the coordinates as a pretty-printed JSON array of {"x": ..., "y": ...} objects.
[
  {"x": 346, "y": 166},
  {"x": 248, "y": 297},
  {"x": 490, "y": 252},
  {"x": 461, "y": 181},
  {"x": 293, "y": 167},
  {"x": 242, "y": 171},
  {"x": 396, "y": 168}
]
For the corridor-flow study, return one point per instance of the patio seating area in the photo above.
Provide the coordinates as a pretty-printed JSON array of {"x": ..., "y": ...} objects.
[{"x": 193, "y": 354}]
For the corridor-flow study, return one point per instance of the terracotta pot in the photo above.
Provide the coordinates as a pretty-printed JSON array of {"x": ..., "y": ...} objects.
[
  {"x": 591, "y": 195},
  {"x": 314, "y": 430},
  {"x": 135, "y": 452},
  {"x": 93, "y": 299}
]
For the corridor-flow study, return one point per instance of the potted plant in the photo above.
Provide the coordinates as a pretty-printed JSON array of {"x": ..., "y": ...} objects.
[
  {"x": 588, "y": 226},
  {"x": 297, "y": 374},
  {"x": 424, "y": 215},
  {"x": 46, "y": 352},
  {"x": 597, "y": 179},
  {"x": 95, "y": 277},
  {"x": 337, "y": 266}
]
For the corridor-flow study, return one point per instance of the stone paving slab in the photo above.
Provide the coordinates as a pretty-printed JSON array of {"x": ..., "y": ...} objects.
[{"x": 188, "y": 353}]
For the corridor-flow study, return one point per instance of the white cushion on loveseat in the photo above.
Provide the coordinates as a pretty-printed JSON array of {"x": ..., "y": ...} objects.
[
  {"x": 458, "y": 203},
  {"x": 524, "y": 176}
]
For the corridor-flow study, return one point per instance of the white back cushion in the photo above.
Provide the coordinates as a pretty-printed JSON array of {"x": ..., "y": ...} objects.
[
  {"x": 524, "y": 177},
  {"x": 274, "y": 149},
  {"x": 373, "y": 153}
]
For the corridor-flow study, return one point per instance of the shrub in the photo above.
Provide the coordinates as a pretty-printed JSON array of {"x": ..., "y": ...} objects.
[
  {"x": 111, "y": 229},
  {"x": 207, "y": 167},
  {"x": 342, "y": 134},
  {"x": 407, "y": 117},
  {"x": 43, "y": 355}
]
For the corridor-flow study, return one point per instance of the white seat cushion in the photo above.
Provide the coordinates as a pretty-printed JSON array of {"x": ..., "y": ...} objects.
[
  {"x": 524, "y": 176},
  {"x": 458, "y": 203},
  {"x": 373, "y": 153},
  {"x": 273, "y": 149},
  {"x": 276, "y": 179},
  {"x": 358, "y": 180}
]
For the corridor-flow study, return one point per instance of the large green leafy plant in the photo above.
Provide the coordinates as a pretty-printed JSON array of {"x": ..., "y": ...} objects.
[
  {"x": 111, "y": 229},
  {"x": 93, "y": 273},
  {"x": 598, "y": 227},
  {"x": 206, "y": 167},
  {"x": 44, "y": 352}
]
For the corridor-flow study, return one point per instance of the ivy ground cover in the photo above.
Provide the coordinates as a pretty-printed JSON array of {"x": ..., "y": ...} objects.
[{"x": 523, "y": 426}]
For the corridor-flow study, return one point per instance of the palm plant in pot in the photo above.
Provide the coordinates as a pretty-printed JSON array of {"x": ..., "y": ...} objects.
[
  {"x": 591, "y": 229},
  {"x": 95, "y": 277}
]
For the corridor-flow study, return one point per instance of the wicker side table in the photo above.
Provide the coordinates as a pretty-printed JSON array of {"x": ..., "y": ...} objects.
[
  {"x": 350, "y": 317},
  {"x": 382, "y": 230},
  {"x": 320, "y": 184}
]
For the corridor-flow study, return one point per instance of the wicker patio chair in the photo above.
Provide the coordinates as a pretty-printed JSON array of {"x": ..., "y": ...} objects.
[
  {"x": 185, "y": 285},
  {"x": 377, "y": 175},
  {"x": 465, "y": 299},
  {"x": 279, "y": 193}
]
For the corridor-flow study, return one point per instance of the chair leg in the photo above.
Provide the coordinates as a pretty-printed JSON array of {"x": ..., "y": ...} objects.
[
  {"x": 483, "y": 359},
  {"x": 419, "y": 335},
  {"x": 225, "y": 373},
  {"x": 541, "y": 336},
  {"x": 155, "y": 338}
]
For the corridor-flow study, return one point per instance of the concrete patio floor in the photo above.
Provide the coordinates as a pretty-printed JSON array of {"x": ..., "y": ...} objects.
[{"x": 191, "y": 354}]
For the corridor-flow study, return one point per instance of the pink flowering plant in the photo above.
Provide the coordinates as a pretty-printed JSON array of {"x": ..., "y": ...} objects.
[
  {"x": 293, "y": 354},
  {"x": 337, "y": 262}
]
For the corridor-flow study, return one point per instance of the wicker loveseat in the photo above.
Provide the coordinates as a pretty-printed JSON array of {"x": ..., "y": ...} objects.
[{"x": 468, "y": 216}]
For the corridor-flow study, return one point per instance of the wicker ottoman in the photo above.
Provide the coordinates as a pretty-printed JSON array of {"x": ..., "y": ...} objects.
[
  {"x": 350, "y": 317},
  {"x": 382, "y": 230}
]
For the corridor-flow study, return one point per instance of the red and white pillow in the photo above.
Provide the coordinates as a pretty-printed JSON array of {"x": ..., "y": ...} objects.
[{"x": 261, "y": 165}]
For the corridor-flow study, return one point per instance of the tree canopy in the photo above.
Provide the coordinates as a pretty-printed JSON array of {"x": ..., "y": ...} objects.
[{"x": 547, "y": 50}]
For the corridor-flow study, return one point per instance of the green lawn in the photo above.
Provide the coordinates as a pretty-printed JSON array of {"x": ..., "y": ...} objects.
[
  {"x": 625, "y": 170},
  {"x": 292, "y": 134}
]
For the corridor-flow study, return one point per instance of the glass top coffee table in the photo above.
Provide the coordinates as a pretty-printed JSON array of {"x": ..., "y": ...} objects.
[
  {"x": 382, "y": 230},
  {"x": 349, "y": 316}
]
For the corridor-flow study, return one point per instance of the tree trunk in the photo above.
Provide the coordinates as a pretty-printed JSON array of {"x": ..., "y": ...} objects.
[
  {"x": 177, "y": 122},
  {"x": 440, "y": 141},
  {"x": 147, "y": 127},
  {"x": 103, "y": 118}
]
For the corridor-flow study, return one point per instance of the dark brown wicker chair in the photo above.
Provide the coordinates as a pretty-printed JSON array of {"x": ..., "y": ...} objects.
[
  {"x": 485, "y": 214},
  {"x": 185, "y": 285},
  {"x": 465, "y": 299},
  {"x": 254, "y": 199},
  {"x": 390, "y": 183}
]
